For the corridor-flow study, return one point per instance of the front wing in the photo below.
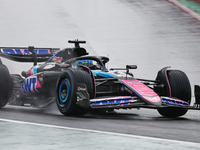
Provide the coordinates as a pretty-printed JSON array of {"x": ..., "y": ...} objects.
[{"x": 123, "y": 102}]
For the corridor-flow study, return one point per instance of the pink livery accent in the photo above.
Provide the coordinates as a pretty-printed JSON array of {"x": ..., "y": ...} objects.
[
  {"x": 170, "y": 91},
  {"x": 30, "y": 71},
  {"x": 94, "y": 83},
  {"x": 152, "y": 99},
  {"x": 144, "y": 92}
]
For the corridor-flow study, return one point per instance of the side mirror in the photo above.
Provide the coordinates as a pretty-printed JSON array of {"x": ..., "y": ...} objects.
[{"x": 131, "y": 66}]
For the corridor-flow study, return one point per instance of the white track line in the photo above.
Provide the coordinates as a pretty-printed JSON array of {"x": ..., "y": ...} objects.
[{"x": 101, "y": 132}]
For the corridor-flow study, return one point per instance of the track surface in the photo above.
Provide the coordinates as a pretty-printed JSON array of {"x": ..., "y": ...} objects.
[
  {"x": 152, "y": 34},
  {"x": 136, "y": 122}
]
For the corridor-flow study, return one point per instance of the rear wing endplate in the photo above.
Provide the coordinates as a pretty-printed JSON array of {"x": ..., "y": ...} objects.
[{"x": 197, "y": 96}]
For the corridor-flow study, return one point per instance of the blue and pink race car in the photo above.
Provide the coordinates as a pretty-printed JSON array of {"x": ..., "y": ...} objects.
[{"x": 79, "y": 83}]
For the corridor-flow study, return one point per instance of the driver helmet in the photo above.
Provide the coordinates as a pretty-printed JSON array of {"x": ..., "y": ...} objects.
[{"x": 87, "y": 63}]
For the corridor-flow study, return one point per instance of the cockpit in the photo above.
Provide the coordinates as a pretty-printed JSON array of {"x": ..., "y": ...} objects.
[
  {"x": 66, "y": 54},
  {"x": 76, "y": 57},
  {"x": 69, "y": 57}
]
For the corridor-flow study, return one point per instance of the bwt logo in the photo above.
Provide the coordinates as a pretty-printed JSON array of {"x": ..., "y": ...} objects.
[{"x": 29, "y": 86}]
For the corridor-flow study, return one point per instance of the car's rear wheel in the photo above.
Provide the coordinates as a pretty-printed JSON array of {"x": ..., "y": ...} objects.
[
  {"x": 5, "y": 85},
  {"x": 66, "y": 91},
  {"x": 179, "y": 87}
]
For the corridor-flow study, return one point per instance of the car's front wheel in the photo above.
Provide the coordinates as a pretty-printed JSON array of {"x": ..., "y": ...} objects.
[
  {"x": 66, "y": 91},
  {"x": 178, "y": 86}
]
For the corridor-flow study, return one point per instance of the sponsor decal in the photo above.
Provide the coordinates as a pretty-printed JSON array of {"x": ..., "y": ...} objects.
[
  {"x": 24, "y": 51},
  {"x": 133, "y": 83},
  {"x": 81, "y": 89},
  {"x": 57, "y": 59},
  {"x": 30, "y": 85},
  {"x": 78, "y": 88},
  {"x": 82, "y": 62},
  {"x": 142, "y": 90}
]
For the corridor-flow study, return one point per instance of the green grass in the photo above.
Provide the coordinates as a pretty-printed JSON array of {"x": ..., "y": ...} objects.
[{"x": 192, "y": 5}]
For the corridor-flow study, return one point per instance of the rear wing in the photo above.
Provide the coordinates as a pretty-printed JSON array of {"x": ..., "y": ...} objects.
[{"x": 27, "y": 54}]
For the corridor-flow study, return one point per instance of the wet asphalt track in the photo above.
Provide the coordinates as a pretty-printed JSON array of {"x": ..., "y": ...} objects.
[{"x": 151, "y": 34}]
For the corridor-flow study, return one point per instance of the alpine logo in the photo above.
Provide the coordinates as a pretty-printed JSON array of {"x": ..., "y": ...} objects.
[{"x": 29, "y": 85}]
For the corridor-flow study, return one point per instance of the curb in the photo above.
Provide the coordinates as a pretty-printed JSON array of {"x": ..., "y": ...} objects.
[{"x": 184, "y": 8}]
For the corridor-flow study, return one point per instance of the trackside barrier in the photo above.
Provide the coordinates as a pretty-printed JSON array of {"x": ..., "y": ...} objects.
[
  {"x": 198, "y": 1},
  {"x": 191, "y": 7}
]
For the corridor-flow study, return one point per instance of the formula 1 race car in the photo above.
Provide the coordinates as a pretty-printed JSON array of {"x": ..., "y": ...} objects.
[{"x": 79, "y": 83}]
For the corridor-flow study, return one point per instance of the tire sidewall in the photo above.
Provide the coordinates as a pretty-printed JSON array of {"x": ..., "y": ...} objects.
[
  {"x": 65, "y": 105},
  {"x": 6, "y": 85}
]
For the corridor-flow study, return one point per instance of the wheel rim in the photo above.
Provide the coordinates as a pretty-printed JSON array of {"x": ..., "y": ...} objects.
[{"x": 64, "y": 91}]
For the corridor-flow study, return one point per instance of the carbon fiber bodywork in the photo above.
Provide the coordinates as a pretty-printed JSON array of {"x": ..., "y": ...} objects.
[{"x": 112, "y": 89}]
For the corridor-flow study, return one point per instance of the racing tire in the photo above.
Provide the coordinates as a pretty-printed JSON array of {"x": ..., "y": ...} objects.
[
  {"x": 180, "y": 88},
  {"x": 5, "y": 85},
  {"x": 66, "y": 91}
]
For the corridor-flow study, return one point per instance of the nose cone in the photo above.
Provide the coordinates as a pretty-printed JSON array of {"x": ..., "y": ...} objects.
[
  {"x": 144, "y": 92},
  {"x": 153, "y": 100}
]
